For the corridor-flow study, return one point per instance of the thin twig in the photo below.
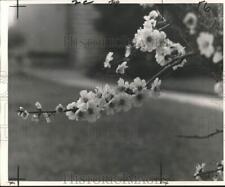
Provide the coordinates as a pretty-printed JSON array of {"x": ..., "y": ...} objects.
[
  {"x": 46, "y": 111},
  {"x": 204, "y": 173},
  {"x": 43, "y": 111},
  {"x": 172, "y": 63},
  {"x": 201, "y": 136},
  {"x": 165, "y": 26}
]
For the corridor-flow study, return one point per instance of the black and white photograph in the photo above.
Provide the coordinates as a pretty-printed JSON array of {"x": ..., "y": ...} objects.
[{"x": 115, "y": 92}]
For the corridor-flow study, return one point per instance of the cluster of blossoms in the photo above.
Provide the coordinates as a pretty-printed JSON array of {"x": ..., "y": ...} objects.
[
  {"x": 218, "y": 88},
  {"x": 205, "y": 40},
  {"x": 149, "y": 38},
  {"x": 108, "y": 59},
  {"x": 206, "y": 45},
  {"x": 121, "y": 67},
  {"x": 202, "y": 174},
  {"x": 209, "y": 49},
  {"x": 35, "y": 116},
  {"x": 24, "y": 114},
  {"x": 103, "y": 100},
  {"x": 108, "y": 100}
]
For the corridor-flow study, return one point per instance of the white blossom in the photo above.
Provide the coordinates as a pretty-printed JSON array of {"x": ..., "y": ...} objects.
[
  {"x": 46, "y": 116},
  {"x": 148, "y": 40},
  {"x": 138, "y": 85},
  {"x": 190, "y": 20},
  {"x": 80, "y": 113},
  {"x": 73, "y": 108},
  {"x": 155, "y": 87},
  {"x": 218, "y": 88},
  {"x": 59, "y": 108},
  {"x": 128, "y": 51},
  {"x": 38, "y": 105},
  {"x": 108, "y": 59},
  {"x": 121, "y": 68},
  {"x": 123, "y": 102},
  {"x": 149, "y": 24},
  {"x": 35, "y": 118},
  {"x": 215, "y": 174},
  {"x": 205, "y": 44},
  {"x": 108, "y": 92},
  {"x": 85, "y": 96},
  {"x": 104, "y": 95},
  {"x": 180, "y": 65},
  {"x": 122, "y": 85},
  {"x": 220, "y": 170},
  {"x": 152, "y": 15},
  {"x": 25, "y": 115},
  {"x": 198, "y": 170},
  {"x": 101, "y": 97},
  {"x": 93, "y": 112},
  {"x": 220, "y": 165},
  {"x": 162, "y": 55},
  {"x": 21, "y": 108},
  {"x": 177, "y": 49},
  {"x": 218, "y": 56},
  {"x": 168, "y": 51}
]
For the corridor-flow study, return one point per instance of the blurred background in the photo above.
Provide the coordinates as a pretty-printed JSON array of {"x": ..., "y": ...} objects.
[{"x": 57, "y": 50}]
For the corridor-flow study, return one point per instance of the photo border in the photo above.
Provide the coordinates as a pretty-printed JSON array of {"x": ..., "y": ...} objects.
[{"x": 4, "y": 5}]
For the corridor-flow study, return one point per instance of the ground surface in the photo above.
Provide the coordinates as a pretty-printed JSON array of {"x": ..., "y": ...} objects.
[{"x": 131, "y": 143}]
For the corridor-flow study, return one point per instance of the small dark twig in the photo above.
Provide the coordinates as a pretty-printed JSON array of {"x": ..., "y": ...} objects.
[
  {"x": 208, "y": 172},
  {"x": 204, "y": 174},
  {"x": 165, "y": 26},
  {"x": 201, "y": 136},
  {"x": 47, "y": 111}
]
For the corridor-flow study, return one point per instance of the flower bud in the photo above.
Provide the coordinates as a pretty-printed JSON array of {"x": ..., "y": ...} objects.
[
  {"x": 38, "y": 105},
  {"x": 59, "y": 108}
]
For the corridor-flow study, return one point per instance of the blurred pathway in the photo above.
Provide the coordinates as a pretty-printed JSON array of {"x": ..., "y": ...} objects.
[{"x": 76, "y": 79}]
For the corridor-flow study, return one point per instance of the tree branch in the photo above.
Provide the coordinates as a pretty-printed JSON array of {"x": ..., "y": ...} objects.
[
  {"x": 172, "y": 63},
  {"x": 46, "y": 111},
  {"x": 201, "y": 136},
  {"x": 208, "y": 173},
  {"x": 165, "y": 26}
]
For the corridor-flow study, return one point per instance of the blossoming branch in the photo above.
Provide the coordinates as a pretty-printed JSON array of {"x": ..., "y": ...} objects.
[
  {"x": 108, "y": 99},
  {"x": 150, "y": 38}
]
